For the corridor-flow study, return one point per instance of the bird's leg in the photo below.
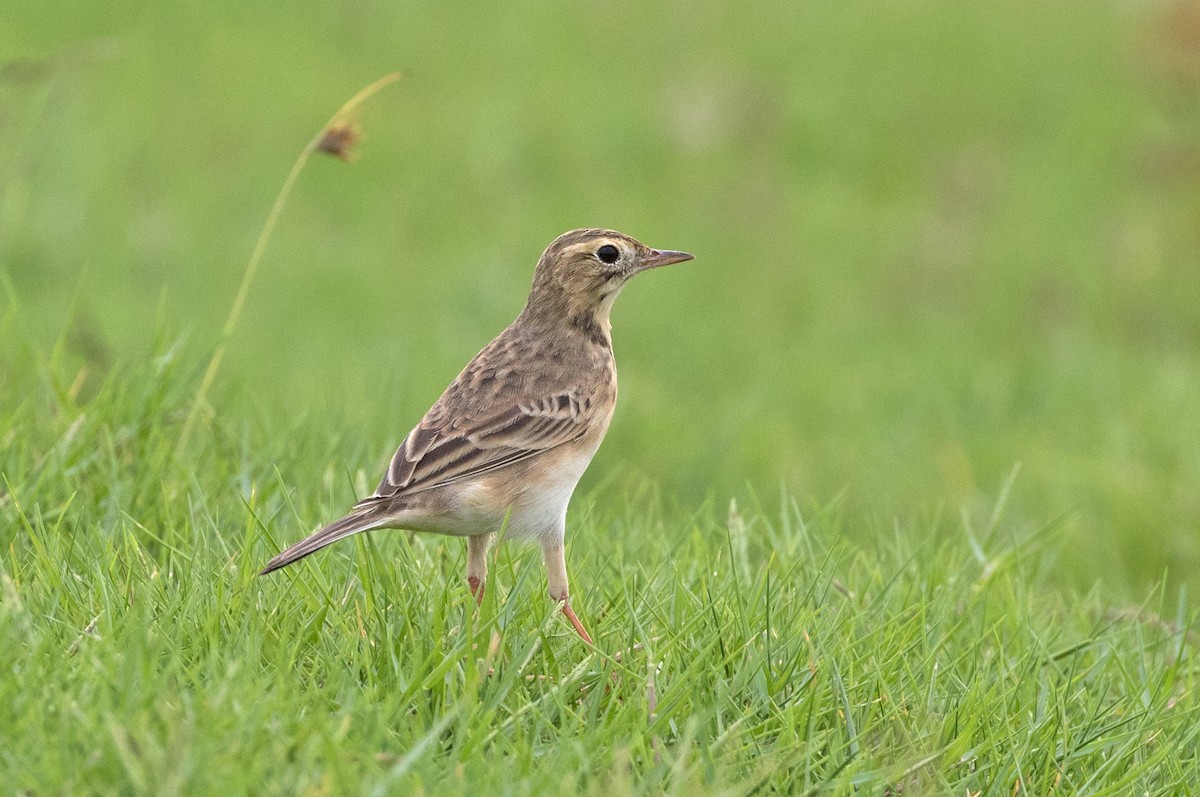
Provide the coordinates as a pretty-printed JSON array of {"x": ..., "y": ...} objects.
[
  {"x": 477, "y": 548},
  {"x": 556, "y": 577}
]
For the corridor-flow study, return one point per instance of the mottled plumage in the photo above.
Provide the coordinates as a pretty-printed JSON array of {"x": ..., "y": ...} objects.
[{"x": 508, "y": 440}]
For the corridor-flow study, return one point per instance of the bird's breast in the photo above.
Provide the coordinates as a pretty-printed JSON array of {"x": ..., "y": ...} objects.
[{"x": 529, "y": 500}]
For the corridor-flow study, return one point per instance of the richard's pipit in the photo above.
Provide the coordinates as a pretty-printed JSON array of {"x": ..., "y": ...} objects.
[{"x": 507, "y": 442}]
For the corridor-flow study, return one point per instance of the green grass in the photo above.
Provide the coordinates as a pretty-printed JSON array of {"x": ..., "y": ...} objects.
[
  {"x": 939, "y": 344},
  {"x": 145, "y": 656}
]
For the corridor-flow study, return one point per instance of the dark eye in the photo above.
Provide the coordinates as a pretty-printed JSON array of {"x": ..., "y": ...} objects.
[{"x": 608, "y": 253}]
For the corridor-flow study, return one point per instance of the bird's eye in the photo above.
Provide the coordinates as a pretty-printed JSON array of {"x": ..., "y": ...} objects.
[{"x": 608, "y": 253}]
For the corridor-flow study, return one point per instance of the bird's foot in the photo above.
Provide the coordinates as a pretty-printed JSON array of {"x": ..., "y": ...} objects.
[
  {"x": 477, "y": 586},
  {"x": 570, "y": 614}
]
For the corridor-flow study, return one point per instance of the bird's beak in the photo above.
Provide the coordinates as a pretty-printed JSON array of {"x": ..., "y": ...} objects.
[{"x": 663, "y": 257}]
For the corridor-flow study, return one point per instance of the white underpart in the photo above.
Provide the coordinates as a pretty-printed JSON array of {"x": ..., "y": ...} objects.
[
  {"x": 543, "y": 516},
  {"x": 537, "y": 514},
  {"x": 607, "y": 300}
]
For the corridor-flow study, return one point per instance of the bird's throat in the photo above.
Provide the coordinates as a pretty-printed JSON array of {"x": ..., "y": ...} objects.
[
  {"x": 585, "y": 315},
  {"x": 593, "y": 325}
]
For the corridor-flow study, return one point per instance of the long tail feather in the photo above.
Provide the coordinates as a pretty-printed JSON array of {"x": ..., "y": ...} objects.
[{"x": 352, "y": 524}]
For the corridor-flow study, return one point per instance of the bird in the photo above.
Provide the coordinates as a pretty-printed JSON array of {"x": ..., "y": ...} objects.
[{"x": 507, "y": 442}]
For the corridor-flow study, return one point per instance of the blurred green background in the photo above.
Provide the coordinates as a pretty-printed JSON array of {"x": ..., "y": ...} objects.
[{"x": 934, "y": 239}]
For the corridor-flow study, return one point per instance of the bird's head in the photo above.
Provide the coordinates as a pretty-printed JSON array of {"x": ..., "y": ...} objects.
[{"x": 584, "y": 270}]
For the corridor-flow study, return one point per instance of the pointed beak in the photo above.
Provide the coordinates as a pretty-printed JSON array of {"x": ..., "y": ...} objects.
[{"x": 662, "y": 257}]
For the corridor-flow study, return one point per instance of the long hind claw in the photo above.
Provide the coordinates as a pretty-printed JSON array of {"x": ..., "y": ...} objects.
[{"x": 566, "y": 609}]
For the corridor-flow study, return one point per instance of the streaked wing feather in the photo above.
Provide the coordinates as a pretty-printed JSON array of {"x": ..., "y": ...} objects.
[{"x": 438, "y": 452}]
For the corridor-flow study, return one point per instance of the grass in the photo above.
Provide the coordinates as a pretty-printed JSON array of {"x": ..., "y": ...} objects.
[
  {"x": 145, "y": 656},
  {"x": 900, "y": 497}
]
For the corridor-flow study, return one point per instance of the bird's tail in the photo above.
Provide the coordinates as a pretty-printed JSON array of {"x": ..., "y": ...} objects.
[{"x": 365, "y": 519}]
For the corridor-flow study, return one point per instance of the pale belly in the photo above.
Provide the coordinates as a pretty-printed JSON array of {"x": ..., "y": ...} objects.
[{"x": 526, "y": 501}]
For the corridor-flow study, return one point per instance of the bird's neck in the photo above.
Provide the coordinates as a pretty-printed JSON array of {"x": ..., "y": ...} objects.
[
  {"x": 594, "y": 325},
  {"x": 571, "y": 316}
]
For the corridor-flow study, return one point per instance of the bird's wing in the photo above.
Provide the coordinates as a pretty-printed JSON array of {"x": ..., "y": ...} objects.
[{"x": 449, "y": 446}]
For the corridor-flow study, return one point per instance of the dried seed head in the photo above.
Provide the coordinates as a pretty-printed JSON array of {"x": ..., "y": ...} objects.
[{"x": 339, "y": 140}]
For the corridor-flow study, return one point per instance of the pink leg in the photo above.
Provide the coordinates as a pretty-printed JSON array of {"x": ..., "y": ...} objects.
[
  {"x": 477, "y": 548},
  {"x": 556, "y": 578}
]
